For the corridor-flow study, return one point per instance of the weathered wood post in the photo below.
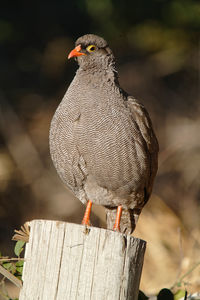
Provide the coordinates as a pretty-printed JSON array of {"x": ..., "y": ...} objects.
[{"x": 65, "y": 261}]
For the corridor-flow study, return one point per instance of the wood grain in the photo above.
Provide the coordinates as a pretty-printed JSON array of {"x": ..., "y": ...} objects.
[{"x": 70, "y": 261}]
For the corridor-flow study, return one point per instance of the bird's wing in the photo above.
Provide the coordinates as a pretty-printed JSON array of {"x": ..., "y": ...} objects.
[
  {"x": 142, "y": 119},
  {"x": 64, "y": 153}
]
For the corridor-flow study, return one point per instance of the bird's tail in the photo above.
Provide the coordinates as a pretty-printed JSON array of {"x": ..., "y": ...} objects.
[{"x": 128, "y": 221}]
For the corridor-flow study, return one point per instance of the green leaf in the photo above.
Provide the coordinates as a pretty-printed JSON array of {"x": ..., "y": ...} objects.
[
  {"x": 19, "y": 247},
  {"x": 19, "y": 263},
  {"x": 179, "y": 294},
  {"x": 7, "y": 266},
  {"x": 10, "y": 267},
  {"x": 19, "y": 269}
]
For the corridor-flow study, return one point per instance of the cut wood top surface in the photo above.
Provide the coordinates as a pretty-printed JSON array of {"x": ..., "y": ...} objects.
[{"x": 70, "y": 261}]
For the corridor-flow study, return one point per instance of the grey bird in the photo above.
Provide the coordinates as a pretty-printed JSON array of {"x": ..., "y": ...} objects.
[{"x": 101, "y": 139}]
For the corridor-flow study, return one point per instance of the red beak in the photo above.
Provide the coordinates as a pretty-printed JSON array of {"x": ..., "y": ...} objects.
[{"x": 76, "y": 52}]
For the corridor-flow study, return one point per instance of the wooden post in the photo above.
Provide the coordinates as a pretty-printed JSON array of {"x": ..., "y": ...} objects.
[{"x": 65, "y": 261}]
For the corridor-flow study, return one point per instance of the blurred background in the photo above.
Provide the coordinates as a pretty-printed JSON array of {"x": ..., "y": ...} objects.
[{"x": 157, "y": 47}]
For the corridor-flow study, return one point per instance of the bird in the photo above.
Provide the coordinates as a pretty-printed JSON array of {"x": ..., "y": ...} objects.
[{"x": 102, "y": 141}]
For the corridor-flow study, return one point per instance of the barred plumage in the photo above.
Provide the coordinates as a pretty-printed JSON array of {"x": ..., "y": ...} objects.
[{"x": 101, "y": 140}]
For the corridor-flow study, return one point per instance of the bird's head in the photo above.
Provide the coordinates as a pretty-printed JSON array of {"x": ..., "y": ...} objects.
[{"x": 92, "y": 52}]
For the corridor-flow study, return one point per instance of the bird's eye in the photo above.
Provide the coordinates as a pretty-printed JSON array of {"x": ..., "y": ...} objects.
[{"x": 91, "y": 48}]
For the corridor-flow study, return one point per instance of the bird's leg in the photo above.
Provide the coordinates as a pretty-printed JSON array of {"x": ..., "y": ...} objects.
[
  {"x": 116, "y": 226},
  {"x": 86, "y": 218}
]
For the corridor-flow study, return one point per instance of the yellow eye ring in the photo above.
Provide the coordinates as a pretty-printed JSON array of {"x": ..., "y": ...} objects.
[{"x": 91, "y": 48}]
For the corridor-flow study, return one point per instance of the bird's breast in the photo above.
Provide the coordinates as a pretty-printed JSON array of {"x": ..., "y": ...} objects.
[
  {"x": 98, "y": 127},
  {"x": 111, "y": 146}
]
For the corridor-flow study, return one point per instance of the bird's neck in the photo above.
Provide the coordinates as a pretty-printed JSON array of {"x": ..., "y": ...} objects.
[{"x": 99, "y": 76}]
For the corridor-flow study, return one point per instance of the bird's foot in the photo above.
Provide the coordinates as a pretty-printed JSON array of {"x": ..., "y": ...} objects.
[
  {"x": 86, "y": 222},
  {"x": 116, "y": 226},
  {"x": 86, "y": 218}
]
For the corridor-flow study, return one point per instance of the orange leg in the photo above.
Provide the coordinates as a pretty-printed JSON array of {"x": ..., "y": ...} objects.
[
  {"x": 86, "y": 218},
  {"x": 116, "y": 226}
]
